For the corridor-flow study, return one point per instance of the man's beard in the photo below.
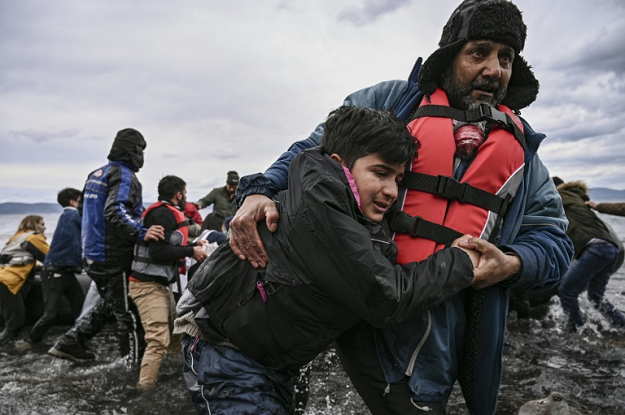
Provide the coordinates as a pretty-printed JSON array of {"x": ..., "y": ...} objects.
[
  {"x": 182, "y": 203},
  {"x": 459, "y": 96}
]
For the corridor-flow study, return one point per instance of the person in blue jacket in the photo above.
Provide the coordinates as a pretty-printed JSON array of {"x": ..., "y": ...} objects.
[
  {"x": 63, "y": 261},
  {"x": 111, "y": 207},
  {"x": 478, "y": 68}
]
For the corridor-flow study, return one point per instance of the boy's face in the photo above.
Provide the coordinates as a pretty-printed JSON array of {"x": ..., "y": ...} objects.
[{"x": 377, "y": 184}]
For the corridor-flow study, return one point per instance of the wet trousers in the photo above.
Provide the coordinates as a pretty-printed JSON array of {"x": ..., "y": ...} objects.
[
  {"x": 12, "y": 308},
  {"x": 92, "y": 299},
  {"x": 592, "y": 270},
  {"x": 222, "y": 380},
  {"x": 155, "y": 303},
  {"x": 56, "y": 284},
  {"x": 357, "y": 352},
  {"x": 116, "y": 306}
]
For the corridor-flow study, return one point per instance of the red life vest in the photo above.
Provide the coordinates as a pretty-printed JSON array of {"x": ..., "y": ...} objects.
[
  {"x": 144, "y": 264},
  {"x": 181, "y": 219},
  {"x": 496, "y": 169}
]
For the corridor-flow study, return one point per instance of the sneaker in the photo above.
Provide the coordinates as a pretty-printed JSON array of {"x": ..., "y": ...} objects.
[
  {"x": 571, "y": 326},
  {"x": 8, "y": 335},
  {"x": 31, "y": 340},
  {"x": 73, "y": 351},
  {"x": 613, "y": 314}
]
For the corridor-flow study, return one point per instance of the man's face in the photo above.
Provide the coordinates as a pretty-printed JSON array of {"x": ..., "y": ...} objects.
[
  {"x": 231, "y": 188},
  {"x": 376, "y": 181},
  {"x": 182, "y": 202},
  {"x": 479, "y": 74}
]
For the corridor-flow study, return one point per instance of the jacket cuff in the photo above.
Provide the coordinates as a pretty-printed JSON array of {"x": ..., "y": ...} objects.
[
  {"x": 514, "y": 280},
  {"x": 254, "y": 184}
]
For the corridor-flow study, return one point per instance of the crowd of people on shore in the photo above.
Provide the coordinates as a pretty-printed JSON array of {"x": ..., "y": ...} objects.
[
  {"x": 135, "y": 257},
  {"x": 396, "y": 231}
]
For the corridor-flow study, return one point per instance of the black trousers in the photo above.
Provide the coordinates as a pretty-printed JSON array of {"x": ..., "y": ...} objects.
[
  {"x": 116, "y": 306},
  {"x": 55, "y": 284},
  {"x": 356, "y": 349},
  {"x": 12, "y": 308}
]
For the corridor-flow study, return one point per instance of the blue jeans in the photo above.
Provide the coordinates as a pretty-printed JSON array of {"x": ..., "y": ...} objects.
[
  {"x": 592, "y": 269},
  {"x": 222, "y": 380}
]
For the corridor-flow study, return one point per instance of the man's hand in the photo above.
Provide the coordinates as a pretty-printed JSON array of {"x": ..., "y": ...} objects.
[
  {"x": 592, "y": 204},
  {"x": 154, "y": 233},
  {"x": 197, "y": 206},
  {"x": 494, "y": 266},
  {"x": 244, "y": 238},
  {"x": 199, "y": 254}
]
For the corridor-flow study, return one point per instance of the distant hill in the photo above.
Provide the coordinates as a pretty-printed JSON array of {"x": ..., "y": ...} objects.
[
  {"x": 603, "y": 194},
  {"x": 12, "y": 208},
  {"x": 27, "y": 208},
  {"x": 597, "y": 194}
]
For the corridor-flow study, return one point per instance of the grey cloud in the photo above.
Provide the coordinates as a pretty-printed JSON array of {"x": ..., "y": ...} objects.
[
  {"x": 41, "y": 136},
  {"x": 370, "y": 10},
  {"x": 603, "y": 52}
]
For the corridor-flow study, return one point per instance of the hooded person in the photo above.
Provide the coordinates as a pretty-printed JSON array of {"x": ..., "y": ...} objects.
[
  {"x": 111, "y": 206},
  {"x": 478, "y": 173}
]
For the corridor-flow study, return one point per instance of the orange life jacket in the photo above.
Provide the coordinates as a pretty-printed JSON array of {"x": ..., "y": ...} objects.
[{"x": 474, "y": 205}]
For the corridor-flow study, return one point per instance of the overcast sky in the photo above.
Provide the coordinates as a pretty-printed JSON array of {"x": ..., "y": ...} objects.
[{"x": 229, "y": 85}]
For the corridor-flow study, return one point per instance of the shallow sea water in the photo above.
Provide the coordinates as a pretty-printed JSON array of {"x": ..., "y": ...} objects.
[{"x": 587, "y": 368}]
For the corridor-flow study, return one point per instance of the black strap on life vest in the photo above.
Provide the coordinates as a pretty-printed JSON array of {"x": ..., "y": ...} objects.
[
  {"x": 451, "y": 189},
  {"x": 482, "y": 113},
  {"x": 416, "y": 226}
]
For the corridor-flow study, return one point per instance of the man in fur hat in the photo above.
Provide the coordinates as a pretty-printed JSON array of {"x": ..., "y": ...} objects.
[
  {"x": 111, "y": 208},
  {"x": 477, "y": 173}
]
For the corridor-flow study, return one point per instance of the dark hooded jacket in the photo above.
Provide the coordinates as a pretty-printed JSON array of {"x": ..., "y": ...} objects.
[
  {"x": 112, "y": 205},
  {"x": 584, "y": 224},
  {"x": 329, "y": 267}
]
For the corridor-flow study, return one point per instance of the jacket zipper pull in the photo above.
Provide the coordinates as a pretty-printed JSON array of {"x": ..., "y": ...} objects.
[
  {"x": 263, "y": 294},
  {"x": 387, "y": 389}
]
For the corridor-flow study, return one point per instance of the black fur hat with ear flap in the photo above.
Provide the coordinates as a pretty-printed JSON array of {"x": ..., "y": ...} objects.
[{"x": 498, "y": 20}]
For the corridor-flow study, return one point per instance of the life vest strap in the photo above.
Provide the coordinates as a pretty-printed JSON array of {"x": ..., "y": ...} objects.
[
  {"x": 416, "y": 227},
  {"x": 482, "y": 113},
  {"x": 451, "y": 189}
]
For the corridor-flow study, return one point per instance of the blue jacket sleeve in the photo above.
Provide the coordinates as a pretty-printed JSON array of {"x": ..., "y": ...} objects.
[
  {"x": 383, "y": 96},
  {"x": 122, "y": 200},
  {"x": 541, "y": 243}
]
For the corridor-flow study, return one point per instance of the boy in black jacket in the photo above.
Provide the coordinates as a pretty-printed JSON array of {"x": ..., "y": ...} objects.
[{"x": 331, "y": 265}]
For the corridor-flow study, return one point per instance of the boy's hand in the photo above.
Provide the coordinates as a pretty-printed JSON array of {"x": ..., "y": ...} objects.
[
  {"x": 473, "y": 254},
  {"x": 244, "y": 238}
]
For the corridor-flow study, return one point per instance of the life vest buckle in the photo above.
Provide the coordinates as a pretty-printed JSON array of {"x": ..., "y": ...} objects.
[
  {"x": 451, "y": 188},
  {"x": 490, "y": 114},
  {"x": 415, "y": 229}
]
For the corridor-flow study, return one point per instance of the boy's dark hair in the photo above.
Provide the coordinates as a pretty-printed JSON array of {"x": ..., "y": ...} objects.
[
  {"x": 169, "y": 186},
  {"x": 66, "y": 195},
  {"x": 355, "y": 132}
]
